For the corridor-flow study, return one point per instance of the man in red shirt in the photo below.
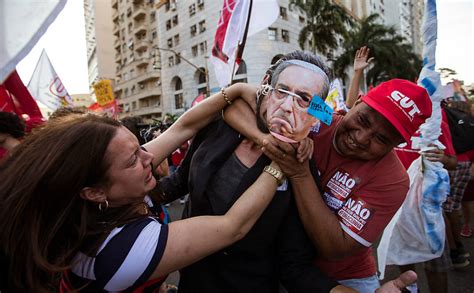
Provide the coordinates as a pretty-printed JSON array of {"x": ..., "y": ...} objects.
[{"x": 363, "y": 182}]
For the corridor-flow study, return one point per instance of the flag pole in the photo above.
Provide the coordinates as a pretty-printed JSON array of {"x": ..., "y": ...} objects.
[{"x": 240, "y": 47}]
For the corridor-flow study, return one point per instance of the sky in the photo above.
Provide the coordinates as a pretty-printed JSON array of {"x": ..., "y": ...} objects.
[{"x": 65, "y": 44}]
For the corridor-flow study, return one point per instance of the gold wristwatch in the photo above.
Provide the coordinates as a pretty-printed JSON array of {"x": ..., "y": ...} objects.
[{"x": 277, "y": 174}]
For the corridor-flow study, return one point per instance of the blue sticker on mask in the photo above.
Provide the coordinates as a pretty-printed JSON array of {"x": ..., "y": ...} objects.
[{"x": 319, "y": 109}]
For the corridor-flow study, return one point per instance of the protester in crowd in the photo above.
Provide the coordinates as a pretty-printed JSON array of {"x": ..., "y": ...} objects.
[
  {"x": 437, "y": 269},
  {"x": 12, "y": 130},
  {"x": 218, "y": 167},
  {"x": 361, "y": 62},
  {"x": 221, "y": 162},
  {"x": 75, "y": 216},
  {"x": 459, "y": 178},
  {"x": 363, "y": 181},
  {"x": 468, "y": 207}
]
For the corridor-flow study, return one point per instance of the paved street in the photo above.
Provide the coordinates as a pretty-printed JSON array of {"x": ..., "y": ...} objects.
[{"x": 459, "y": 281}]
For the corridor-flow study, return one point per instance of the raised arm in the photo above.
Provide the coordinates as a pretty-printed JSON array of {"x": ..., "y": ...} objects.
[
  {"x": 361, "y": 61},
  {"x": 190, "y": 123},
  {"x": 192, "y": 239}
]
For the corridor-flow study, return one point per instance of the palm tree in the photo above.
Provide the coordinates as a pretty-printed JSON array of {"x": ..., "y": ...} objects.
[
  {"x": 325, "y": 21},
  {"x": 393, "y": 57}
]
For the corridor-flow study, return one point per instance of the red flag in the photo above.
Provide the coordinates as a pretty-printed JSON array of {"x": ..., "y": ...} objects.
[
  {"x": 198, "y": 99},
  {"x": 111, "y": 109},
  {"x": 6, "y": 101},
  {"x": 15, "y": 87}
]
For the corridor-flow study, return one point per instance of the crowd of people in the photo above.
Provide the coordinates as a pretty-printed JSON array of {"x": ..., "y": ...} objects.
[{"x": 280, "y": 200}]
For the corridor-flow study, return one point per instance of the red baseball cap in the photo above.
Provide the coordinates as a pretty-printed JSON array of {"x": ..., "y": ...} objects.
[{"x": 403, "y": 103}]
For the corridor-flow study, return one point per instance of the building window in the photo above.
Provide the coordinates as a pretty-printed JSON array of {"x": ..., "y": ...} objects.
[
  {"x": 283, "y": 13},
  {"x": 272, "y": 34},
  {"x": 285, "y": 36},
  {"x": 202, "y": 26},
  {"x": 176, "y": 40},
  {"x": 194, "y": 50},
  {"x": 193, "y": 30},
  {"x": 203, "y": 47},
  {"x": 175, "y": 20},
  {"x": 130, "y": 28},
  {"x": 200, "y": 4},
  {"x": 134, "y": 105},
  {"x": 153, "y": 16},
  {"x": 179, "y": 101},
  {"x": 178, "y": 93},
  {"x": 129, "y": 11},
  {"x": 154, "y": 34},
  {"x": 168, "y": 24},
  {"x": 171, "y": 61},
  {"x": 170, "y": 42},
  {"x": 192, "y": 9},
  {"x": 177, "y": 59}
]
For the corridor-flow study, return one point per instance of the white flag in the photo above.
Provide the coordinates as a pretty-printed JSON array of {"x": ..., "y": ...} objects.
[
  {"x": 22, "y": 23},
  {"x": 46, "y": 87},
  {"x": 231, "y": 31}
]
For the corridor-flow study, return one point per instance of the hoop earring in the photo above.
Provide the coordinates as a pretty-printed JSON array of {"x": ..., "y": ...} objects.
[
  {"x": 103, "y": 209},
  {"x": 263, "y": 91}
]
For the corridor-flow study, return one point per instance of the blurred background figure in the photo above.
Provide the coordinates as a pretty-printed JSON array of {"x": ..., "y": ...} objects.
[{"x": 12, "y": 130}]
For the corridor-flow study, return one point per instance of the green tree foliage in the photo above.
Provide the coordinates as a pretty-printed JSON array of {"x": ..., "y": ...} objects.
[
  {"x": 325, "y": 22},
  {"x": 393, "y": 57}
]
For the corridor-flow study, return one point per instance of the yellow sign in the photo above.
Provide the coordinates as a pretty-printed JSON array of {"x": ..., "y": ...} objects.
[
  {"x": 331, "y": 99},
  {"x": 103, "y": 92}
]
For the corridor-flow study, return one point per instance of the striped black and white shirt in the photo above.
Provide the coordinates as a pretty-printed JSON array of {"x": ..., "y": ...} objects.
[{"x": 125, "y": 260}]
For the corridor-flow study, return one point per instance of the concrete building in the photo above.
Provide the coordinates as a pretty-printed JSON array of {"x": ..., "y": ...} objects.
[
  {"x": 99, "y": 40},
  {"x": 406, "y": 16},
  {"x": 186, "y": 29},
  {"x": 138, "y": 83},
  {"x": 162, "y": 49}
]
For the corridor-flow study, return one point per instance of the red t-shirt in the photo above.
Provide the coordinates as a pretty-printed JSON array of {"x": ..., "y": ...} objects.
[
  {"x": 363, "y": 194},
  {"x": 407, "y": 155}
]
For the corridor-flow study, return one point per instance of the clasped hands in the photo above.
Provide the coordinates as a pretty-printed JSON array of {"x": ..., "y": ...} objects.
[{"x": 291, "y": 157}]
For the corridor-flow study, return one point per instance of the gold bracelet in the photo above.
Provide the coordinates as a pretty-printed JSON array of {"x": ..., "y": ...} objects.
[
  {"x": 226, "y": 98},
  {"x": 277, "y": 174}
]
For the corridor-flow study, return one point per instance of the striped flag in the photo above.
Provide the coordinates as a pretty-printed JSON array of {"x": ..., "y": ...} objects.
[{"x": 238, "y": 19}]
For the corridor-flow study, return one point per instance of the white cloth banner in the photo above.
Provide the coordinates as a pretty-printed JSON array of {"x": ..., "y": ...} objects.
[
  {"x": 231, "y": 29},
  {"x": 22, "y": 23},
  {"x": 46, "y": 87},
  {"x": 416, "y": 233}
]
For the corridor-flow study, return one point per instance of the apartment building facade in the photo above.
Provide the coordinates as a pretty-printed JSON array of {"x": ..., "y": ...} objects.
[
  {"x": 137, "y": 72},
  {"x": 99, "y": 41},
  {"x": 162, "y": 49}
]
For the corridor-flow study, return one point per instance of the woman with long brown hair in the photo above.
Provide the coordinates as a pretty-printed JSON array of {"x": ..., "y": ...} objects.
[{"x": 76, "y": 214}]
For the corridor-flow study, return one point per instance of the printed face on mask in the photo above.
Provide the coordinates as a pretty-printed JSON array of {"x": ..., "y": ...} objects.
[{"x": 288, "y": 102}]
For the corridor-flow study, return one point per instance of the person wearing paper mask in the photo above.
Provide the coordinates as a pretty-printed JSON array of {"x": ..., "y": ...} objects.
[
  {"x": 363, "y": 181},
  {"x": 286, "y": 111},
  {"x": 220, "y": 162}
]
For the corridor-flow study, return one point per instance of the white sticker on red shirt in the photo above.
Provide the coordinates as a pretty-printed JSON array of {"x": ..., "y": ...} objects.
[
  {"x": 337, "y": 189},
  {"x": 355, "y": 214}
]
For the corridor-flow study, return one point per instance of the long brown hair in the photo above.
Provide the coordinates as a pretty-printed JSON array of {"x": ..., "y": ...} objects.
[{"x": 43, "y": 218}]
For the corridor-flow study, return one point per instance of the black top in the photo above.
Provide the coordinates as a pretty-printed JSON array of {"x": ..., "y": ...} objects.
[{"x": 276, "y": 250}]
